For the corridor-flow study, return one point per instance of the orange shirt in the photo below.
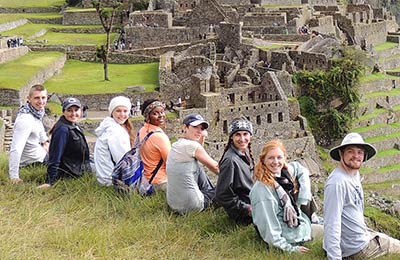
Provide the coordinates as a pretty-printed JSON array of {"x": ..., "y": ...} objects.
[{"x": 155, "y": 148}]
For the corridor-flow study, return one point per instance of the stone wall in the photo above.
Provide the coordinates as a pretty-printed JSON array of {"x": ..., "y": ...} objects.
[
  {"x": 151, "y": 19},
  {"x": 99, "y": 102},
  {"x": 286, "y": 37},
  {"x": 88, "y": 3},
  {"x": 57, "y": 20},
  {"x": 61, "y": 48},
  {"x": 142, "y": 37},
  {"x": 31, "y": 10},
  {"x": 322, "y": 25},
  {"x": 324, "y": 3},
  {"x": 373, "y": 33},
  {"x": 88, "y": 17},
  {"x": 262, "y": 19},
  {"x": 206, "y": 13},
  {"x": 114, "y": 57},
  {"x": 12, "y": 53},
  {"x": 309, "y": 61},
  {"x": 230, "y": 34},
  {"x": 269, "y": 30},
  {"x": 11, "y": 25},
  {"x": 277, "y": 2},
  {"x": 9, "y": 97}
]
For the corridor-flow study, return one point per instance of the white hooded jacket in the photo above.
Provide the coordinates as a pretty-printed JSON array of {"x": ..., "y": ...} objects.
[{"x": 112, "y": 143}]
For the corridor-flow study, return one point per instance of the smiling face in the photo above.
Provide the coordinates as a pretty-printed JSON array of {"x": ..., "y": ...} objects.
[
  {"x": 352, "y": 157},
  {"x": 275, "y": 160},
  {"x": 73, "y": 114},
  {"x": 194, "y": 132},
  {"x": 38, "y": 99},
  {"x": 157, "y": 116},
  {"x": 120, "y": 114},
  {"x": 241, "y": 140}
]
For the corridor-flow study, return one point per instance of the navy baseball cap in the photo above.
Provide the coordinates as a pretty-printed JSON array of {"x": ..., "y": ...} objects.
[
  {"x": 195, "y": 120},
  {"x": 69, "y": 102}
]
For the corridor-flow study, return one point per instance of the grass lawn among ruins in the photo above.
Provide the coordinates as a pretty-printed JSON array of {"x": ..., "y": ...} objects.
[
  {"x": 31, "y": 3},
  {"x": 79, "y": 77},
  {"x": 78, "y": 219},
  {"x": 8, "y": 17},
  {"x": 15, "y": 74},
  {"x": 53, "y": 38}
]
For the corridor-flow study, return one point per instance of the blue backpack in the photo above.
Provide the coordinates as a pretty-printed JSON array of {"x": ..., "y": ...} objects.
[{"x": 128, "y": 176}]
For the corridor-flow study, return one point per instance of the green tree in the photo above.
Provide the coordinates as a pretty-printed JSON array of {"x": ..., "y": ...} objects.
[
  {"x": 329, "y": 99},
  {"x": 107, "y": 15}
]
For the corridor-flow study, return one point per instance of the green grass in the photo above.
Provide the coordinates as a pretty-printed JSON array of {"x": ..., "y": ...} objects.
[
  {"x": 384, "y": 222},
  {"x": 386, "y": 46},
  {"x": 31, "y": 3},
  {"x": 79, "y": 77},
  {"x": 16, "y": 16},
  {"x": 271, "y": 47},
  {"x": 16, "y": 73},
  {"x": 78, "y": 219},
  {"x": 391, "y": 93},
  {"x": 389, "y": 152},
  {"x": 29, "y": 29},
  {"x": 378, "y": 138},
  {"x": 53, "y": 38},
  {"x": 55, "y": 108},
  {"x": 375, "y": 76}
]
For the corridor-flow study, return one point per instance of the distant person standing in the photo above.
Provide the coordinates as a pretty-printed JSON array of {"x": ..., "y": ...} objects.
[{"x": 30, "y": 143}]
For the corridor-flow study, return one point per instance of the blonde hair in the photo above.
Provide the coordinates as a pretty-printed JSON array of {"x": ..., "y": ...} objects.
[{"x": 261, "y": 172}]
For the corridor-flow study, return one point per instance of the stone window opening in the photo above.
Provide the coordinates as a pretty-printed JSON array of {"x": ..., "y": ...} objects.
[
  {"x": 225, "y": 127},
  {"x": 276, "y": 97},
  {"x": 258, "y": 120},
  {"x": 280, "y": 117},
  {"x": 232, "y": 98},
  {"x": 269, "y": 118}
]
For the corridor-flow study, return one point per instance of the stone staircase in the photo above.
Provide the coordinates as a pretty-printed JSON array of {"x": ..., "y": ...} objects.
[{"x": 6, "y": 115}]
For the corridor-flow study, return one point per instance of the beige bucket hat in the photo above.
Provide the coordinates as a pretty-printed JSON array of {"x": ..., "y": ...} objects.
[{"x": 353, "y": 139}]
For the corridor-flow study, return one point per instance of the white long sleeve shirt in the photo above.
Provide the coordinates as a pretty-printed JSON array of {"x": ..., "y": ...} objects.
[
  {"x": 345, "y": 232},
  {"x": 26, "y": 145}
]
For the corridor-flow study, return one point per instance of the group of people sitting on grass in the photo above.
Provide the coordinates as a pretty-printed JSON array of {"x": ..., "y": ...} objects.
[{"x": 273, "y": 194}]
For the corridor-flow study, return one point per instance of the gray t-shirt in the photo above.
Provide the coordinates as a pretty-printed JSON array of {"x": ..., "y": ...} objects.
[
  {"x": 345, "y": 232},
  {"x": 183, "y": 193}
]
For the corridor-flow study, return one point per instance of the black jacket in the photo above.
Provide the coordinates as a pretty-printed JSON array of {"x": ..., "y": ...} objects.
[
  {"x": 68, "y": 152},
  {"x": 234, "y": 185}
]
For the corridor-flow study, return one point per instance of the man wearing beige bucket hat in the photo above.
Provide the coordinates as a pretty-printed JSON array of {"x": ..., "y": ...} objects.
[{"x": 345, "y": 231}]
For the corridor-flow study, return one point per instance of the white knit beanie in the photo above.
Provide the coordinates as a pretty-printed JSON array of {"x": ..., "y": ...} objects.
[{"x": 119, "y": 101}]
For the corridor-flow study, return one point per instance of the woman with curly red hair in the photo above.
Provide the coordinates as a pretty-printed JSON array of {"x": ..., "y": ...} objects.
[{"x": 279, "y": 191}]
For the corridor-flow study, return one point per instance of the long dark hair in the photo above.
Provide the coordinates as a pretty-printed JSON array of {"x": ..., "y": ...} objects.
[{"x": 129, "y": 127}]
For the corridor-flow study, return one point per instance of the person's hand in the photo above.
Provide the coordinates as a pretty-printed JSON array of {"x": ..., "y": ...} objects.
[
  {"x": 290, "y": 215},
  {"x": 44, "y": 186},
  {"x": 303, "y": 249},
  {"x": 16, "y": 180}
]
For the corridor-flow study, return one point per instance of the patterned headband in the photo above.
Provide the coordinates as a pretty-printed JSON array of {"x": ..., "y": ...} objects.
[{"x": 150, "y": 108}]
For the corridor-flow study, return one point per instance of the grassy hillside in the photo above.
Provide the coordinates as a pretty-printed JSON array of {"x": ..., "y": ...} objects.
[{"x": 78, "y": 219}]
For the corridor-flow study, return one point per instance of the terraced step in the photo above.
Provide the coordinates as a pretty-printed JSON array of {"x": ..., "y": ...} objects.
[
  {"x": 383, "y": 174},
  {"x": 377, "y": 129},
  {"x": 385, "y": 142},
  {"x": 383, "y": 161}
]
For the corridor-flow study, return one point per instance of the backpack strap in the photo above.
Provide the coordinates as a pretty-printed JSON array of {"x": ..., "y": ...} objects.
[{"x": 153, "y": 173}]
